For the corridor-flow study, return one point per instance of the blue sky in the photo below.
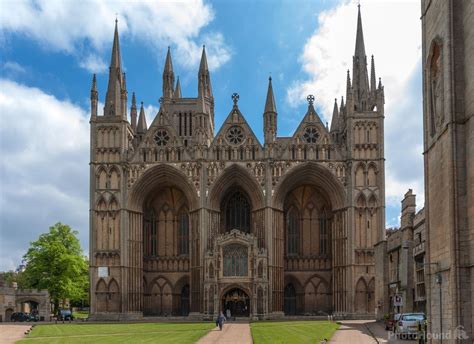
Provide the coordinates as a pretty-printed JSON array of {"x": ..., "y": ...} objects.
[{"x": 49, "y": 50}]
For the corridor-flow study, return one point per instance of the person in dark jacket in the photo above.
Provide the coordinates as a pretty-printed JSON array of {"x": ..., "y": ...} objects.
[{"x": 220, "y": 320}]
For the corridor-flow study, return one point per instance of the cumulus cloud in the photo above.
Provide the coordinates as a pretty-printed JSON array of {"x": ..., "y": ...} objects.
[
  {"x": 67, "y": 25},
  {"x": 392, "y": 33},
  {"x": 94, "y": 64},
  {"x": 44, "y": 144}
]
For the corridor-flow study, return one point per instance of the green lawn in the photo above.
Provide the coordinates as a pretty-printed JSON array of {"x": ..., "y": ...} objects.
[
  {"x": 288, "y": 332},
  {"x": 118, "y": 333}
]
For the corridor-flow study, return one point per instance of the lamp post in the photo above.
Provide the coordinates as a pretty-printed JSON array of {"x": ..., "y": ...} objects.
[{"x": 439, "y": 281}]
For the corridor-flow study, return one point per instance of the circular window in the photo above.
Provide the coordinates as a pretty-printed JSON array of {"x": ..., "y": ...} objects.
[
  {"x": 235, "y": 135},
  {"x": 162, "y": 137},
  {"x": 311, "y": 135}
]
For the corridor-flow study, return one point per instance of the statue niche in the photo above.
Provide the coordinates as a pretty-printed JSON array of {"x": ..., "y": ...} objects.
[{"x": 436, "y": 89}]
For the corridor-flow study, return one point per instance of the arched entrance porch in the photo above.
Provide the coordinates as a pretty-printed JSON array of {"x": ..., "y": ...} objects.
[{"x": 237, "y": 301}]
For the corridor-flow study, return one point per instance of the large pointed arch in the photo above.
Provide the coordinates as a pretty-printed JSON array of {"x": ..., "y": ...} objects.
[
  {"x": 161, "y": 176},
  {"x": 236, "y": 175},
  {"x": 311, "y": 173}
]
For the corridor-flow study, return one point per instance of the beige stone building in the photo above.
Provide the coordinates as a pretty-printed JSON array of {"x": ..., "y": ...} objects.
[
  {"x": 405, "y": 263},
  {"x": 188, "y": 219},
  {"x": 448, "y": 93}
]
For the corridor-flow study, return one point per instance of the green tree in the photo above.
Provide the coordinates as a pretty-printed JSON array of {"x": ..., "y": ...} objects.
[{"x": 56, "y": 262}]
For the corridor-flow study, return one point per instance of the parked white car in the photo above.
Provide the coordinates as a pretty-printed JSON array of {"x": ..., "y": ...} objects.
[{"x": 407, "y": 325}]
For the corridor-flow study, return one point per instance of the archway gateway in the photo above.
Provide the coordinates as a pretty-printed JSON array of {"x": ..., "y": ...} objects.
[{"x": 237, "y": 301}]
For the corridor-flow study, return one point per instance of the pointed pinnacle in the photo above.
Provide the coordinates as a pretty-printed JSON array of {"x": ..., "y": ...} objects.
[
  {"x": 270, "y": 105},
  {"x": 203, "y": 68},
  {"x": 177, "y": 92},
  {"x": 141, "y": 127},
  {"x": 360, "y": 47},
  {"x": 134, "y": 100},
  {"x": 94, "y": 83},
  {"x": 115, "y": 62},
  {"x": 168, "y": 62}
]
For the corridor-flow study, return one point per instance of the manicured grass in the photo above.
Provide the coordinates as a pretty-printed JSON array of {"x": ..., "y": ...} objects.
[
  {"x": 80, "y": 314},
  {"x": 289, "y": 332},
  {"x": 118, "y": 333}
]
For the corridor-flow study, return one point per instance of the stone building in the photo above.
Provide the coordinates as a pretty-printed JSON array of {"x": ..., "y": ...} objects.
[
  {"x": 448, "y": 108},
  {"x": 405, "y": 259},
  {"x": 188, "y": 219}
]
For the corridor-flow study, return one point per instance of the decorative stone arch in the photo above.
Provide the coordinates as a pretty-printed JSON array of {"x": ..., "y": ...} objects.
[
  {"x": 317, "y": 291},
  {"x": 371, "y": 296},
  {"x": 315, "y": 174},
  {"x": 360, "y": 201},
  {"x": 232, "y": 176},
  {"x": 161, "y": 176},
  {"x": 101, "y": 204},
  {"x": 180, "y": 303},
  {"x": 113, "y": 303},
  {"x": 435, "y": 85},
  {"x": 101, "y": 178},
  {"x": 231, "y": 286},
  {"x": 8, "y": 314},
  {"x": 361, "y": 296},
  {"x": 360, "y": 172},
  {"x": 114, "y": 177},
  {"x": 101, "y": 290},
  {"x": 372, "y": 173},
  {"x": 158, "y": 300},
  {"x": 293, "y": 306}
]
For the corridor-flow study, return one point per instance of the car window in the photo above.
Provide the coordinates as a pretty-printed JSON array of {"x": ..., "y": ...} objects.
[{"x": 413, "y": 317}]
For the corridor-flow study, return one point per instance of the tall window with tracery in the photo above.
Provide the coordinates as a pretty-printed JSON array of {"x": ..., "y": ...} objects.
[
  {"x": 292, "y": 231},
  {"x": 183, "y": 233},
  {"x": 150, "y": 233},
  {"x": 235, "y": 260},
  {"x": 237, "y": 212}
]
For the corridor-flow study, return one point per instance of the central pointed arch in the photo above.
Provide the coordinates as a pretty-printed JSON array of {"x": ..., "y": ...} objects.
[{"x": 236, "y": 176}]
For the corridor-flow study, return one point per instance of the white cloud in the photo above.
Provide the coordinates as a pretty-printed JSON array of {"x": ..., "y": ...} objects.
[
  {"x": 392, "y": 33},
  {"x": 13, "y": 68},
  {"x": 66, "y": 25},
  {"x": 44, "y": 144},
  {"x": 94, "y": 64}
]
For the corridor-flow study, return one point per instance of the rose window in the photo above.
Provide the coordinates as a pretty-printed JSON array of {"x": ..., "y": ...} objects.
[
  {"x": 162, "y": 137},
  {"x": 235, "y": 135},
  {"x": 311, "y": 135}
]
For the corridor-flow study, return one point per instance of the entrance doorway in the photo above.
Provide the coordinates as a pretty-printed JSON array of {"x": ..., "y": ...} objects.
[{"x": 237, "y": 301}]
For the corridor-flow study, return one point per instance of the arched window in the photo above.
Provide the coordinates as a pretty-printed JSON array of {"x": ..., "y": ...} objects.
[
  {"x": 183, "y": 233},
  {"x": 185, "y": 300},
  {"x": 293, "y": 231},
  {"x": 150, "y": 234},
  {"x": 237, "y": 213},
  {"x": 290, "y": 300},
  {"x": 235, "y": 260}
]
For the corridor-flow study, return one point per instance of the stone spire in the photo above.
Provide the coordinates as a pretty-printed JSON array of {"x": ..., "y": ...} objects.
[
  {"x": 141, "y": 126},
  {"x": 115, "y": 87},
  {"x": 133, "y": 113},
  {"x": 168, "y": 77},
  {"x": 373, "y": 85},
  {"x": 270, "y": 115},
  {"x": 94, "y": 97},
  {"x": 204, "y": 79},
  {"x": 270, "y": 102},
  {"x": 348, "y": 85},
  {"x": 335, "y": 117},
  {"x": 177, "y": 91},
  {"x": 360, "y": 80}
]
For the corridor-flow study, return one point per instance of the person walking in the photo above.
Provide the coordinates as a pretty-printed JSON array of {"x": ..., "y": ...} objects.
[{"x": 220, "y": 320}]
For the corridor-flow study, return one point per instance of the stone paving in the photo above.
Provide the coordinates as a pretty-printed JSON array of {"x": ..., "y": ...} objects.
[
  {"x": 10, "y": 333},
  {"x": 231, "y": 333}
]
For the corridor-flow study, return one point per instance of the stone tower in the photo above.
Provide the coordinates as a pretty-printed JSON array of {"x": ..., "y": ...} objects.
[
  {"x": 186, "y": 221},
  {"x": 448, "y": 108}
]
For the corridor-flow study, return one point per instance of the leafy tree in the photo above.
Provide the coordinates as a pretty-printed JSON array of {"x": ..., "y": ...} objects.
[{"x": 56, "y": 262}]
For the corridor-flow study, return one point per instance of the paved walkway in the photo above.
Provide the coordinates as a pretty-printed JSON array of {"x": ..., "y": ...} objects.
[
  {"x": 364, "y": 332},
  {"x": 10, "y": 333},
  {"x": 231, "y": 333}
]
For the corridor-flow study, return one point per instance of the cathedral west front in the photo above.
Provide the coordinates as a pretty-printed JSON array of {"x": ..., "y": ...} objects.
[{"x": 187, "y": 219}]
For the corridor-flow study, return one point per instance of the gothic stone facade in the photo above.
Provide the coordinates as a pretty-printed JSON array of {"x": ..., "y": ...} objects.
[
  {"x": 448, "y": 111},
  {"x": 186, "y": 221}
]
